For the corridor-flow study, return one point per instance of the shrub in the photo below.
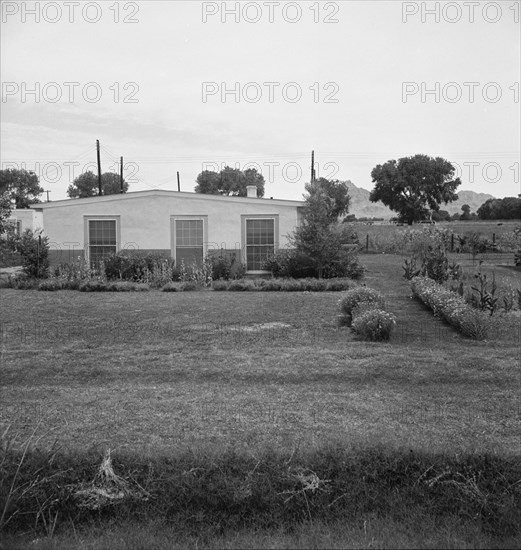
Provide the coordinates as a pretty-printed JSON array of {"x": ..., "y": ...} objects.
[
  {"x": 220, "y": 285},
  {"x": 34, "y": 251},
  {"x": 296, "y": 265},
  {"x": 22, "y": 282},
  {"x": 241, "y": 285},
  {"x": 50, "y": 285},
  {"x": 363, "y": 307},
  {"x": 187, "y": 286},
  {"x": 375, "y": 325},
  {"x": 313, "y": 285},
  {"x": 272, "y": 285},
  {"x": 170, "y": 287},
  {"x": 451, "y": 308},
  {"x": 221, "y": 267},
  {"x": 359, "y": 294},
  {"x": 290, "y": 263},
  {"x": 336, "y": 285},
  {"x": 154, "y": 269},
  {"x": 291, "y": 285},
  {"x": 283, "y": 285},
  {"x": 125, "y": 286},
  {"x": 92, "y": 285},
  {"x": 347, "y": 265}
]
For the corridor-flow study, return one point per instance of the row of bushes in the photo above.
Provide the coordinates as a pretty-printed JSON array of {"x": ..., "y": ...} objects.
[
  {"x": 363, "y": 309},
  {"x": 284, "y": 285},
  {"x": 92, "y": 285},
  {"x": 451, "y": 308},
  {"x": 258, "y": 285}
]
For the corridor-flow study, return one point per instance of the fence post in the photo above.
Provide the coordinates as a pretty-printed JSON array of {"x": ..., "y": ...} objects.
[{"x": 367, "y": 243}]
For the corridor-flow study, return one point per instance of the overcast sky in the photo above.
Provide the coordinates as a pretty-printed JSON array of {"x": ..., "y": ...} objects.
[{"x": 154, "y": 81}]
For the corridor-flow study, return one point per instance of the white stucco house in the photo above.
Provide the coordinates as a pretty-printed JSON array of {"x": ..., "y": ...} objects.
[{"x": 182, "y": 225}]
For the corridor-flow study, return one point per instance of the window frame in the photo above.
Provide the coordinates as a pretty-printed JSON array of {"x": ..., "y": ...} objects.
[
  {"x": 87, "y": 220},
  {"x": 173, "y": 235},
  {"x": 244, "y": 220}
]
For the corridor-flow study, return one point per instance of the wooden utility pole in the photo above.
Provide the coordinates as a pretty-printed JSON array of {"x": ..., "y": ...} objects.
[
  {"x": 99, "y": 167},
  {"x": 48, "y": 196},
  {"x": 178, "y": 182},
  {"x": 121, "y": 174},
  {"x": 312, "y": 166}
]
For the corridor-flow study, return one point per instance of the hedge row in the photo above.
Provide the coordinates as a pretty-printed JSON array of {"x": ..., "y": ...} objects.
[
  {"x": 451, "y": 308},
  {"x": 284, "y": 285}
]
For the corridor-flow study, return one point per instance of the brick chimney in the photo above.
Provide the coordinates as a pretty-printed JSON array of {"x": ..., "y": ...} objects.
[{"x": 251, "y": 191}]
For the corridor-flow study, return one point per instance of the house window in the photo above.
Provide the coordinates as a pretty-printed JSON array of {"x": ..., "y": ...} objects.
[
  {"x": 102, "y": 240},
  {"x": 260, "y": 242},
  {"x": 189, "y": 239},
  {"x": 16, "y": 226}
]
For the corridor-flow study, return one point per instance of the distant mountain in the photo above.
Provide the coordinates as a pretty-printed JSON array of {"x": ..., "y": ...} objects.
[
  {"x": 473, "y": 199},
  {"x": 361, "y": 206}
]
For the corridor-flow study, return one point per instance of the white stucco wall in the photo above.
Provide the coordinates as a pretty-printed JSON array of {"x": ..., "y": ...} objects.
[
  {"x": 145, "y": 218},
  {"x": 30, "y": 218}
]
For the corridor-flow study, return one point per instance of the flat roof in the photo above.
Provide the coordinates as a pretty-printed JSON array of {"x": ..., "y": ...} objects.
[{"x": 162, "y": 193}]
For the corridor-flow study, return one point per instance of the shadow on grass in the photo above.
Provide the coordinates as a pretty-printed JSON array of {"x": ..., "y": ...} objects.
[{"x": 208, "y": 495}]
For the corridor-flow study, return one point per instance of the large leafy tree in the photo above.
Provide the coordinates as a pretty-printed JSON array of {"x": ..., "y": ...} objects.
[
  {"x": 229, "y": 181},
  {"x": 316, "y": 237},
  {"x": 508, "y": 208},
  {"x": 412, "y": 186},
  {"x": 20, "y": 186},
  {"x": 86, "y": 185}
]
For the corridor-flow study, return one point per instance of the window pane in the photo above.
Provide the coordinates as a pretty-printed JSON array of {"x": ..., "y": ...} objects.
[
  {"x": 260, "y": 232},
  {"x": 189, "y": 233},
  {"x": 102, "y": 232}
]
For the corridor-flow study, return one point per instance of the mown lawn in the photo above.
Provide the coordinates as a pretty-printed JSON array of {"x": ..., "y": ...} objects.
[
  {"x": 171, "y": 370},
  {"x": 424, "y": 429}
]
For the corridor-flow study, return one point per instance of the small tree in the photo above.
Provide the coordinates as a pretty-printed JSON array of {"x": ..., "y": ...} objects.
[
  {"x": 325, "y": 202},
  {"x": 466, "y": 212},
  {"x": 34, "y": 249}
]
